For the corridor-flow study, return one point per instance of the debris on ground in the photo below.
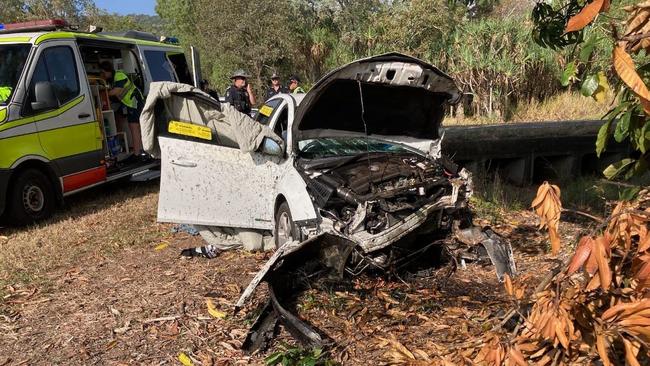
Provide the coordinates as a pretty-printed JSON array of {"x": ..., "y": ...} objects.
[{"x": 185, "y": 228}]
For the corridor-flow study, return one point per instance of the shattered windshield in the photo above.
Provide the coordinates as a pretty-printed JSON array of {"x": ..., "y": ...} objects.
[
  {"x": 345, "y": 146},
  {"x": 12, "y": 61}
]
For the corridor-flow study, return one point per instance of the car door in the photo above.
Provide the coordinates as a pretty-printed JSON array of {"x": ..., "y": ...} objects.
[
  {"x": 68, "y": 130},
  {"x": 209, "y": 184}
]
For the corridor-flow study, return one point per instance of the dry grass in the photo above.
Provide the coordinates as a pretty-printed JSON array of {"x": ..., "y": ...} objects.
[
  {"x": 562, "y": 107},
  {"x": 101, "y": 220}
]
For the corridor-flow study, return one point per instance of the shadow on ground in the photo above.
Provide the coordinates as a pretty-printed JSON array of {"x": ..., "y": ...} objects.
[{"x": 90, "y": 201}]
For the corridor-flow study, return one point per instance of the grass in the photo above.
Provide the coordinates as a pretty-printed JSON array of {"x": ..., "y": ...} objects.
[
  {"x": 561, "y": 107},
  {"x": 120, "y": 217},
  {"x": 493, "y": 197}
]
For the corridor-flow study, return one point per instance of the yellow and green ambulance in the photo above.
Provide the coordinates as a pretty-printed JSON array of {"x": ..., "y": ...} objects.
[{"x": 60, "y": 132}]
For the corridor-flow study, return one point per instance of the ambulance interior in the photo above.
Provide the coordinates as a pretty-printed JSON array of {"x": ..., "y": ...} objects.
[{"x": 116, "y": 135}]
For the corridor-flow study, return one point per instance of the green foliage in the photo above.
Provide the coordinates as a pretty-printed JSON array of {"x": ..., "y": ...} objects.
[
  {"x": 550, "y": 22},
  {"x": 589, "y": 58},
  {"x": 294, "y": 356}
]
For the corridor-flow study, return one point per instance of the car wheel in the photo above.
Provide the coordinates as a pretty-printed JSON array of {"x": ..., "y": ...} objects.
[
  {"x": 31, "y": 198},
  {"x": 285, "y": 229}
]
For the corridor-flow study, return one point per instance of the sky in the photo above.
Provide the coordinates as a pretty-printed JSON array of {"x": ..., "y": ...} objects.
[{"x": 124, "y": 7}]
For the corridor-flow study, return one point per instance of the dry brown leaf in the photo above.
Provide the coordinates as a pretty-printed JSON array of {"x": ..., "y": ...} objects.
[
  {"x": 548, "y": 207},
  {"x": 624, "y": 66},
  {"x": 516, "y": 357},
  {"x": 604, "y": 272},
  {"x": 585, "y": 16},
  {"x": 581, "y": 255},
  {"x": 631, "y": 352},
  {"x": 507, "y": 283},
  {"x": 601, "y": 347}
]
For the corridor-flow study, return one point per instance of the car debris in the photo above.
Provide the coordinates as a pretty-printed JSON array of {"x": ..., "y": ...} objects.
[{"x": 362, "y": 185}]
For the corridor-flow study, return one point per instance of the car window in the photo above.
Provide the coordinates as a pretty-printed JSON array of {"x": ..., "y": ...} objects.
[
  {"x": 160, "y": 67},
  {"x": 267, "y": 111},
  {"x": 12, "y": 62},
  {"x": 57, "y": 65},
  {"x": 282, "y": 123},
  {"x": 202, "y": 109},
  {"x": 346, "y": 146}
]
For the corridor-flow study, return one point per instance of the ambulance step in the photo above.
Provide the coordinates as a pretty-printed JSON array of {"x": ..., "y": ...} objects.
[{"x": 145, "y": 176}]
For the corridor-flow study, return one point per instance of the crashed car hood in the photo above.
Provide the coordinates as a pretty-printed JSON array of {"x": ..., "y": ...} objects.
[{"x": 392, "y": 95}]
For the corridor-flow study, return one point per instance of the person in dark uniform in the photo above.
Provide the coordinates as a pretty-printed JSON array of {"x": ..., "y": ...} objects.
[
  {"x": 205, "y": 86},
  {"x": 239, "y": 94},
  {"x": 275, "y": 88}
]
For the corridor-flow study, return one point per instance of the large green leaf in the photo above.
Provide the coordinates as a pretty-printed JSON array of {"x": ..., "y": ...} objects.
[
  {"x": 568, "y": 74},
  {"x": 587, "y": 49},
  {"x": 623, "y": 126},
  {"x": 603, "y": 137},
  {"x": 589, "y": 85},
  {"x": 618, "y": 168}
]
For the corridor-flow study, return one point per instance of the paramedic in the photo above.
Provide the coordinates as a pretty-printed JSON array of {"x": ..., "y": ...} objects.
[{"x": 130, "y": 98}]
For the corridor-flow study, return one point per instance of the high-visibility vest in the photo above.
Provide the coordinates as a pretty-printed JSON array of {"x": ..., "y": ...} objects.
[
  {"x": 5, "y": 92},
  {"x": 128, "y": 95}
]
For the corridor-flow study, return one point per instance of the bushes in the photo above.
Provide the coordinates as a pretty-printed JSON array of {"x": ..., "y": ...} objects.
[{"x": 498, "y": 62}]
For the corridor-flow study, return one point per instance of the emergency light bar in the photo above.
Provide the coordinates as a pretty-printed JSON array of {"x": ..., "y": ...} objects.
[{"x": 34, "y": 25}]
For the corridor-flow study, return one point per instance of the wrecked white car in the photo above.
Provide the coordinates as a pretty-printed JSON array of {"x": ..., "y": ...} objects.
[{"x": 348, "y": 177}]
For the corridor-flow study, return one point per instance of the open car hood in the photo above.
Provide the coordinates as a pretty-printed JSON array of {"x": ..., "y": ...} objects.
[{"x": 392, "y": 95}]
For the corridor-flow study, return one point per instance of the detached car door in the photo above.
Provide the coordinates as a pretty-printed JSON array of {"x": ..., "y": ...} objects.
[{"x": 208, "y": 184}]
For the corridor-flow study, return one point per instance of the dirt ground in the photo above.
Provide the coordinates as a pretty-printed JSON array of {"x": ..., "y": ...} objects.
[{"x": 103, "y": 284}]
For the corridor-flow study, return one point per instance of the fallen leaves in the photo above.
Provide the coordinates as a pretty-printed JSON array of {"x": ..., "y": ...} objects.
[
  {"x": 212, "y": 310},
  {"x": 548, "y": 207},
  {"x": 185, "y": 359}
]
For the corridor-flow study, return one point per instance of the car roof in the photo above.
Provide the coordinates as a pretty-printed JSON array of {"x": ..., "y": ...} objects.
[{"x": 39, "y": 37}]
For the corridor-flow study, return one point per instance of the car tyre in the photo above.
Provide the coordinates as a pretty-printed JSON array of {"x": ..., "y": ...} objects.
[
  {"x": 285, "y": 229},
  {"x": 31, "y": 198}
]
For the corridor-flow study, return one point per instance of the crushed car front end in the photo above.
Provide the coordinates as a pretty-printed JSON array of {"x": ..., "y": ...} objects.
[{"x": 366, "y": 142}]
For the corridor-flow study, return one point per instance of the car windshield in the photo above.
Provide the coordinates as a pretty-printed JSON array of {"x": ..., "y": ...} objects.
[
  {"x": 12, "y": 61},
  {"x": 346, "y": 146}
]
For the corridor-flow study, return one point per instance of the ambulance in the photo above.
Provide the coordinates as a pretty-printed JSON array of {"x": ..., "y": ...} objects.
[{"x": 60, "y": 133}]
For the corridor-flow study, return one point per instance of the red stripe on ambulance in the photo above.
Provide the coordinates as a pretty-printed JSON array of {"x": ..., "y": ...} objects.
[{"x": 79, "y": 180}]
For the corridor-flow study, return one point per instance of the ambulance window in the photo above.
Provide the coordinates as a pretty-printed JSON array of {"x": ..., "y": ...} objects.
[
  {"x": 57, "y": 65},
  {"x": 180, "y": 65},
  {"x": 159, "y": 66}
]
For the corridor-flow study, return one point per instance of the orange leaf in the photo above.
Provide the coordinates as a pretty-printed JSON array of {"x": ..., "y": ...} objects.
[
  {"x": 643, "y": 276},
  {"x": 517, "y": 357},
  {"x": 624, "y": 66},
  {"x": 507, "y": 282},
  {"x": 555, "y": 240},
  {"x": 631, "y": 352},
  {"x": 585, "y": 16},
  {"x": 601, "y": 347},
  {"x": 604, "y": 272},
  {"x": 581, "y": 255}
]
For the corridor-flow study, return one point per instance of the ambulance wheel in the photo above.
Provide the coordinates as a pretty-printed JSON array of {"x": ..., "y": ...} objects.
[
  {"x": 31, "y": 198},
  {"x": 285, "y": 229}
]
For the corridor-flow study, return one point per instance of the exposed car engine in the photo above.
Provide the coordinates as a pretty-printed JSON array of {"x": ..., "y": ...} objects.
[{"x": 376, "y": 191}]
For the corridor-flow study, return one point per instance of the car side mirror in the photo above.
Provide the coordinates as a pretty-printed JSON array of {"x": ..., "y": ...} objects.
[
  {"x": 270, "y": 147},
  {"x": 44, "y": 97}
]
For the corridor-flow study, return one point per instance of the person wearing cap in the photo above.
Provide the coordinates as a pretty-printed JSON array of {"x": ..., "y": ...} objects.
[
  {"x": 275, "y": 88},
  {"x": 239, "y": 94},
  {"x": 294, "y": 88}
]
